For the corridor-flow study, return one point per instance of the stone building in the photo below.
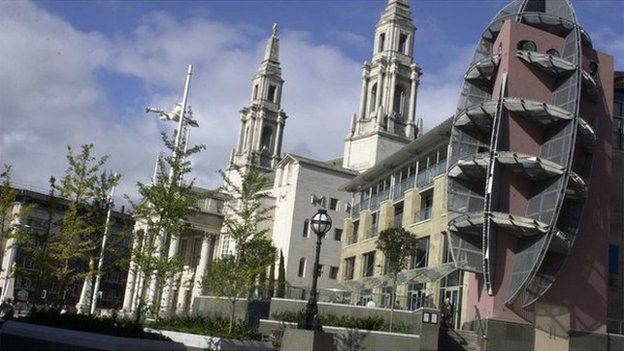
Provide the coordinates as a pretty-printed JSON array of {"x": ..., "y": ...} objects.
[
  {"x": 197, "y": 247},
  {"x": 19, "y": 272}
]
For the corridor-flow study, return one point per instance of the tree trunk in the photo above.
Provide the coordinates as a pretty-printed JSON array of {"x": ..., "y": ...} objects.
[
  {"x": 392, "y": 303},
  {"x": 232, "y": 316}
]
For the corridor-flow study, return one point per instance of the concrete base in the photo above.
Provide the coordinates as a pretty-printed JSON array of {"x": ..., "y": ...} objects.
[{"x": 306, "y": 340}]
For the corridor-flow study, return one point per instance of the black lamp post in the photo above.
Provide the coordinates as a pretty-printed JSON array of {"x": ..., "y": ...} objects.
[{"x": 320, "y": 223}]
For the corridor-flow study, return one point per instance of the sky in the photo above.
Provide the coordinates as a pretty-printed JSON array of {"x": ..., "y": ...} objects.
[{"x": 77, "y": 72}]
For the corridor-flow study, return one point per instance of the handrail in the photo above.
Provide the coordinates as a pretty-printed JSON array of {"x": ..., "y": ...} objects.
[{"x": 481, "y": 330}]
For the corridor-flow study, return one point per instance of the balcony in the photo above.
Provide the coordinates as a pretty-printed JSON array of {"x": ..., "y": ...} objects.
[
  {"x": 425, "y": 177},
  {"x": 397, "y": 222},
  {"x": 372, "y": 232},
  {"x": 425, "y": 213}
]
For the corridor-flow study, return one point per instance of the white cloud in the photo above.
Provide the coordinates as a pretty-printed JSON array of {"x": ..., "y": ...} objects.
[{"x": 54, "y": 97}]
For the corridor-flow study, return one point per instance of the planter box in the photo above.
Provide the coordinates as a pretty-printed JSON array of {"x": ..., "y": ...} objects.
[
  {"x": 26, "y": 336},
  {"x": 347, "y": 339},
  {"x": 206, "y": 342}
]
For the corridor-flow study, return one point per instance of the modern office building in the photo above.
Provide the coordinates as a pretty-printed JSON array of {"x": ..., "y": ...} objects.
[{"x": 529, "y": 178}]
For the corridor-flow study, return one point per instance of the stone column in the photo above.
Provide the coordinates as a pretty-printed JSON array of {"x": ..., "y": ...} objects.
[
  {"x": 167, "y": 295},
  {"x": 410, "y": 132},
  {"x": 241, "y": 132},
  {"x": 411, "y": 207},
  {"x": 7, "y": 281},
  {"x": 392, "y": 87},
  {"x": 131, "y": 281},
  {"x": 84, "y": 303},
  {"x": 380, "y": 75},
  {"x": 386, "y": 215},
  {"x": 278, "y": 136},
  {"x": 207, "y": 249},
  {"x": 364, "y": 92}
]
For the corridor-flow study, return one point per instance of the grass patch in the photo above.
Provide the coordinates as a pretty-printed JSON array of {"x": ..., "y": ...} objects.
[
  {"x": 201, "y": 325},
  {"x": 367, "y": 323},
  {"x": 91, "y": 324}
]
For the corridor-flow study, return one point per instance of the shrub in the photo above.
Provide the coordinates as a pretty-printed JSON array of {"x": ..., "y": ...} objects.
[
  {"x": 366, "y": 323},
  {"x": 203, "y": 325},
  {"x": 91, "y": 324}
]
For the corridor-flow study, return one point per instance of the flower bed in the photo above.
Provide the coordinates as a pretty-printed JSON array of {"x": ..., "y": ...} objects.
[
  {"x": 366, "y": 323},
  {"x": 216, "y": 327}
]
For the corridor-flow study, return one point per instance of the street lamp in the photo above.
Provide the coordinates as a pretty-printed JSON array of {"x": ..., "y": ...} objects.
[{"x": 320, "y": 224}]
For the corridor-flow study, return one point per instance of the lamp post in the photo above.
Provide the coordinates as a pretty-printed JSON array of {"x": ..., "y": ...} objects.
[{"x": 320, "y": 224}]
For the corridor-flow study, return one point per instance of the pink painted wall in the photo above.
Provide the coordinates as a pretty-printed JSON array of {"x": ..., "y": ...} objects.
[{"x": 581, "y": 286}]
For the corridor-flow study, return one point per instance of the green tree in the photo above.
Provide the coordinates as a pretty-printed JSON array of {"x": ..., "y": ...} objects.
[
  {"x": 234, "y": 276},
  {"x": 281, "y": 277},
  {"x": 82, "y": 221},
  {"x": 162, "y": 209},
  {"x": 397, "y": 245},
  {"x": 271, "y": 280},
  {"x": 8, "y": 198},
  {"x": 35, "y": 244}
]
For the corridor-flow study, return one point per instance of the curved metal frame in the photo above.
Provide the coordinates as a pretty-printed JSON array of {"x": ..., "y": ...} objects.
[{"x": 478, "y": 121}]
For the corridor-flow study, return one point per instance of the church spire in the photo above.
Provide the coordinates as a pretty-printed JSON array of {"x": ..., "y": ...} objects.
[
  {"x": 271, "y": 53},
  {"x": 388, "y": 95},
  {"x": 262, "y": 122}
]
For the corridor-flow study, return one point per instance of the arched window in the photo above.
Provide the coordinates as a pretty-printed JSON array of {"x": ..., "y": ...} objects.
[
  {"x": 373, "y": 98},
  {"x": 302, "y": 264},
  {"x": 265, "y": 140},
  {"x": 382, "y": 42},
  {"x": 403, "y": 43},
  {"x": 399, "y": 100}
]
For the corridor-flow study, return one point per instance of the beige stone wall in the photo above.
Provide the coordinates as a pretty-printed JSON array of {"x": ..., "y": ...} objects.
[{"x": 434, "y": 228}]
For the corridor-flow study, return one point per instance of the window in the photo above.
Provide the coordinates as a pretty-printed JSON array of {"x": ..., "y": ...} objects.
[
  {"x": 416, "y": 296},
  {"x": 382, "y": 42},
  {"x": 333, "y": 272},
  {"x": 333, "y": 204},
  {"x": 527, "y": 45},
  {"x": 302, "y": 264},
  {"x": 386, "y": 296},
  {"x": 265, "y": 140},
  {"x": 553, "y": 52},
  {"x": 272, "y": 90},
  {"x": 426, "y": 205},
  {"x": 354, "y": 235},
  {"x": 255, "y": 92},
  {"x": 306, "y": 228},
  {"x": 403, "y": 43},
  {"x": 614, "y": 257},
  {"x": 369, "y": 264},
  {"x": 319, "y": 270},
  {"x": 419, "y": 258},
  {"x": 373, "y": 98},
  {"x": 399, "y": 100},
  {"x": 593, "y": 68},
  {"x": 349, "y": 266},
  {"x": 338, "y": 234},
  {"x": 397, "y": 222}
]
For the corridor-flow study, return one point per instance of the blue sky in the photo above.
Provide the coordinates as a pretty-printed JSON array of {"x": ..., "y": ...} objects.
[{"x": 84, "y": 71}]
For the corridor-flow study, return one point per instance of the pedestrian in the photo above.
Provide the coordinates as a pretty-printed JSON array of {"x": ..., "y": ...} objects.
[
  {"x": 447, "y": 313},
  {"x": 6, "y": 309},
  {"x": 370, "y": 303}
]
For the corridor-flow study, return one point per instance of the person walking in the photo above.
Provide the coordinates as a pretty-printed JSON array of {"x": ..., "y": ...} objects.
[
  {"x": 6, "y": 309},
  {"x": 447, "y": 313}
]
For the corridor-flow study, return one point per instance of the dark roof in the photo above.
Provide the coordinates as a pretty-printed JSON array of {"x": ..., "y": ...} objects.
[
  {"x": 334, "y": 165},
  {"x": 439, "y": 133}
]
